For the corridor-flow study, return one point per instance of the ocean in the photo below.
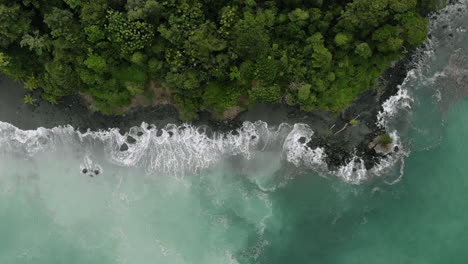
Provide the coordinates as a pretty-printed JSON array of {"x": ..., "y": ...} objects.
[{"x": 258, "y": 195}]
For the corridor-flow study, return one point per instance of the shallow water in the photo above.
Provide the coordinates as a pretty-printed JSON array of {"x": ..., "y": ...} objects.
[{"x": 258, "y": 196}]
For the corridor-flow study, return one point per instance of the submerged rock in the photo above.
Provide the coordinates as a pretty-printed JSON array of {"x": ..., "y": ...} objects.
[
  {"x": 124, "y": 147},
  {"x": 159, "y": 133},
  {"x": 84, "y": 171},
  {"x": 131, "y": 140},
  {"x": 302, "y": 140}
]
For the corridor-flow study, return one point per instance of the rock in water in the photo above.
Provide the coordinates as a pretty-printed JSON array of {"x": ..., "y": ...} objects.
[
  {"x": 159, "y": 133},
  {"x": 131, "y": 140},
  {"x": 381, "y": 148},
  {"x": 124, "y": 147}
]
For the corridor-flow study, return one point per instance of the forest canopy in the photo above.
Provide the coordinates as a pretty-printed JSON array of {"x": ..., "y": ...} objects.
[{"x": 211, "y": 55}]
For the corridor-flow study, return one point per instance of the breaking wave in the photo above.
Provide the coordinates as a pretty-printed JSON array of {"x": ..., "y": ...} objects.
[
  {"x": 178, "y": 150},
  {"x": 181, "y": 150},
  {"x": 175, "y": 150}
]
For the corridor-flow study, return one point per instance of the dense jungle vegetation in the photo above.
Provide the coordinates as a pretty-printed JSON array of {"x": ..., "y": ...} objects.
[{"x": 210, "y": 54}]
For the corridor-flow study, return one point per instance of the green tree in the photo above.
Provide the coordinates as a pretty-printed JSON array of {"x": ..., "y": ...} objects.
[
  {"x": 35, "y": 42},
  {"x": 217, "y": 98},
  {"x": 96, "y": 63},
  {"x": 388, "y": 38},
  {"x": 303, "y": 91},
  {"x": 298, "y": 15},
  {"x": 94, "y": 13},
  {"x": 322, "y": 57},
  {"x": 270, "y": 94},
  {"x": 414, "y": 28},
  {"x": 184, "y": 18},
  {"x": 147, "y": 10},
  {"x": 61, "y": 79},
  {"x": 183, "y": 81},
  {"x": 139, "y": 59},
  {"x": 365, "y": 13},
  {"x": 342, "y": 39},
  {"x": 128, "y": 36},
  {"x": 62, "y": 25},
  {"x": 204, "y": 42},
  {"x": 14, "y": 23},
  {"x": 251, "y": 38},
  {"x": 401, "y": 6},
  {"x": 363, "y": 50},
  {"x": 266, "y": 70},
  {"x": 94, "y": 33}
]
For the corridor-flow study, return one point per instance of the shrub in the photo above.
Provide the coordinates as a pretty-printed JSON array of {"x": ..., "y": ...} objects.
[
  {"x": 385, "y": 139},
  {"x": 270, "y": 94},
  {"x": 353, "y": 122},
  {"x": 28, "y": 99}
]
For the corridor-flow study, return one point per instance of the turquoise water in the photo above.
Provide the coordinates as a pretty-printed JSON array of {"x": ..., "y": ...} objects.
[
  {"x": 421, "y": 219},
  {"x": 248, "y": 205}
]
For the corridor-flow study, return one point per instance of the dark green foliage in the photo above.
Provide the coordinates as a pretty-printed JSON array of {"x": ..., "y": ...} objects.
[
  {"x": 126, "y": 35},
  {"x": 251, "y": 37},
  {"x": 35, "y": 42},
  {"x": 303, "y": 92},
  {"x": 414, "y": 28},
  {"x": 14, "y": 22},
  {"x": 94, "y": 33},
  {"x": 188, "y": 106},
  {"x": 96, "y": 63},
  {"x": 63, "y": 25},
  {"x": 61, "y": 79},
  {"x": 270, "y": 94},
  {"x": 363, "y": 50},
  {"x": 211, "y": 55},
  {"x": 266, "y": 70},
  {"x": 427, "y": 6},
  {"x": 187, "y": 80},
  {"x": 217, "y": 97},
  {"x": 388, "y": 38}
]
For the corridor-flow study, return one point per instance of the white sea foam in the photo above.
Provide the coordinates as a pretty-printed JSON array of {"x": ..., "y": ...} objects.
[
  {"x": 177, "y": 150},
  {"x": 296, "y": 149},
  {"x": 174, "y": 150},
  {"x": 395, "y": 103},
  {"x": 185, "y": 149}
]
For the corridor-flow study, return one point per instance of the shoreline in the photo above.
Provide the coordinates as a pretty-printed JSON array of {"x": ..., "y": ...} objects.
[{"x": 339, "y": 148}]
